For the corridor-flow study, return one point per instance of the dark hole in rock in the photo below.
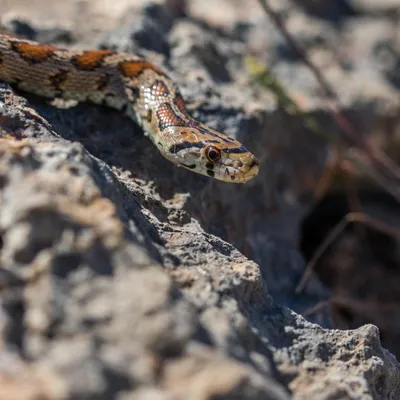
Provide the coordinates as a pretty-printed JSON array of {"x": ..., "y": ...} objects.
[{"x": 361, "y": 266}]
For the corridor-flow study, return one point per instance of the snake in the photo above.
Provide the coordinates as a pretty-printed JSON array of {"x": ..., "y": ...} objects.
[{"x": 138, "y": 88}]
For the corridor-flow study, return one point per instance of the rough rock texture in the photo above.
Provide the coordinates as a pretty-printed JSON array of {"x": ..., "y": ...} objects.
[{"x": 117, "y": 276}]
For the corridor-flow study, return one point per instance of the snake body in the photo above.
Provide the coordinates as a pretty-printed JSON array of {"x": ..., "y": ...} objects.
[{"x": 135, "y": 86}]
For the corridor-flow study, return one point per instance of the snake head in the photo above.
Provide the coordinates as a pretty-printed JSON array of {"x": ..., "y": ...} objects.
[{"x": 215, "y": 155}]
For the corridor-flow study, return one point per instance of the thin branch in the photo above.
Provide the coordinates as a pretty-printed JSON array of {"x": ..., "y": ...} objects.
[
  {"x": 335, "y": 232},
  {"x": 319, "y": 306},
  {"x": 276, "y": 18},
  {"x": 387, "y": 168}
]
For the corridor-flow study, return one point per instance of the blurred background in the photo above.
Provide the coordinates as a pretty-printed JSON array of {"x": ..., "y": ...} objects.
[{"x": 329, "y": 188}]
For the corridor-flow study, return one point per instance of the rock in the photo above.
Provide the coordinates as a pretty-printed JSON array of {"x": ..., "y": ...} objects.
[
  {"x": 118, "y": 276},
  {"x": 85, "y": 297}
]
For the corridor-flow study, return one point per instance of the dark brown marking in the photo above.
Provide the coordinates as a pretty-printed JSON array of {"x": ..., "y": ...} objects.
[
  {"x": 210, "y": 165},
  {"x": 192, "y": 166},
  {"x": 204, "y": 131},
  {"x": 1, "y": 59},
  {"x": 136, "y": 92},
  {"x": 210, "y": 173},
  {"x": 58, "y": 79},
  {"x": 132, "y": 69},
  {"x": 103, "y": 82},
  {"x": 34, "y": 53},
  {"x": 133, "y": 93},
  {"x": 233, "y": 177},
  {"x": 185, "y": 145},
  {"x": 90, "y": 59},
  {"x": 237, "y": 150}
]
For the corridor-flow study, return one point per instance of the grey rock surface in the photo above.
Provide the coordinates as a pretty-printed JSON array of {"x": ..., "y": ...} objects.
[{"x": 125, "y": 277}]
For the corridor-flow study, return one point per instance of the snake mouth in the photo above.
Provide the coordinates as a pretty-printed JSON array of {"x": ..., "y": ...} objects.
[
  {"x": 235, "y": 170},
  {"x": 239, "y": 172}
]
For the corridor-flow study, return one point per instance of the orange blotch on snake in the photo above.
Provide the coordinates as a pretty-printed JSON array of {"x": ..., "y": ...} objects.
[
  {"x": 167, "y": 117},
  {"x": 131, "y": 69},
  {"x": 91, "y": 59},
  {"x": 34, "y": 52}
]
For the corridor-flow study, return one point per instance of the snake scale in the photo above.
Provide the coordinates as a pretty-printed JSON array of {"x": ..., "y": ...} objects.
[{"x": 135, "y": 86}]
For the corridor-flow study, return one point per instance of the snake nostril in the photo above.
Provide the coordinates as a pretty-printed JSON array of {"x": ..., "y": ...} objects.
[{"x": 254, "y": 163}]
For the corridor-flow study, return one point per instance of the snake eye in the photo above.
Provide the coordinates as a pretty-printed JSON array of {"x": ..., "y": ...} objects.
[{"x": 213, "y": 154}]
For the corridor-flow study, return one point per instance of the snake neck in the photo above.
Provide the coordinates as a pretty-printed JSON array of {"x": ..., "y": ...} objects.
[
  {"x": 126, "y": 82},
  {"x": 158, "y": 107}
]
